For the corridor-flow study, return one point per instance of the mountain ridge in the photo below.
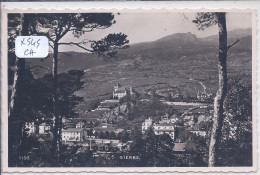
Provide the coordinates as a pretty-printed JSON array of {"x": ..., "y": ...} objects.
[{"x": 165, "y": 48}]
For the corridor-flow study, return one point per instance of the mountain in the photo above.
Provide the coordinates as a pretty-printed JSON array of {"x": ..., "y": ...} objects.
[
  {"x": 174, "y": 40},
  {"x": 169, "y": 48},
  {"x": 67, "y": 61},
  {"x": 179, "y": 37},
  {"x": 232, "y": 35}
]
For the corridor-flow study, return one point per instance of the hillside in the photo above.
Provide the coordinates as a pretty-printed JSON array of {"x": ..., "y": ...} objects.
[{"x": 176, "y": 64}]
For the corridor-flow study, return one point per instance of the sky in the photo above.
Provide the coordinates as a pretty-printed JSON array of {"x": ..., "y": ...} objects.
[{"x": 144, "y": 27}]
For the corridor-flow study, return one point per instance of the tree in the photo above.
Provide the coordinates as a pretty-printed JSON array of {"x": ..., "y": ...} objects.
[
  {"x": 34, "y": 99},
  {"x": 153, "y": 150},
  {"x": 125, "y": 136},
  {"x": 112, "y": 135},
  {"x": 204, "y": 20},
  {"x": 55, "y": 27},
  {"x": 106, "y": 135},
  {"x": 17, "y": 77},
  {"x": 101, "y": 135},
  {"x": 17, "y": 26}
]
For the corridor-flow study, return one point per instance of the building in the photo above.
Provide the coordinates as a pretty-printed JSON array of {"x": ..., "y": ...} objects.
[
  {"x": 69, "y": 125},
  {"x": 188, "y": 120},
  {"x": 196, "y": 129},
  {"x": 44, "y": 128},
  {"x": 104, "y": 127},
  {"x": 164, "y": 128},
  {"x": 165, "y": 119},
  {"x": 74, "y": 135},
  {"x": 203, "y": 96},
  {"x": 147, "y": 124},
  {"x": 174, "y": 119},
  {"x": 31, "y": 128},
  {"x": 119, "y": 92},
  {"x": 118, "y": 130},
  {"x": 179, "y": 147},
  {"x": 80, "y": 124}
]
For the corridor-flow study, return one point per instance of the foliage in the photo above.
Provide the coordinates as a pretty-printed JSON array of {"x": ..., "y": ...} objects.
[
  {"x": 154, "y": 150},
  {"x": 205, "y": 19},
  {"x": 198, "y": 151},
  {"x": 151, "y": 108},
  {"x": 34, "y": 99},
  {"x": 68, "y": 83},
  {"x": 22, "y": 112},
  {"x": 236, "y": 145},
  {"x": 56, "y": 26}
]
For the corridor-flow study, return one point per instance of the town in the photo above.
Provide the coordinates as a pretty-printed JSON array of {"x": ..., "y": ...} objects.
[{"x": 97, "y": 131}]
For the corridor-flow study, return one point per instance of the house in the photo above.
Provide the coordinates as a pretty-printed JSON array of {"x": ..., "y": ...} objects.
[
  {"x": 45, "y": 128},
  {"x": 196, "y": 129},
  {"x": 164, "y": 128},
  {"x": 123, "y": 146},
  {"x": 165, "y": 119},
  {"x": 69, "y": 125},
  {"x": 174, "y": 119},
  {"x": 179, "y": 147},
  {"x": 80, "y": 124},
  {"x": 188, "y": 120},
  {"x": 31, "y": 128},
  {"x": 74, "y": 135},
  {"x": 66, "y": 120},
  {"x": 106, "y": 141},
  {"x": 203, "y": 96},
  {"x": 104, "y": 127},
  {"x": 118, "y": 130},
  {"x": 146, "y": 125}
]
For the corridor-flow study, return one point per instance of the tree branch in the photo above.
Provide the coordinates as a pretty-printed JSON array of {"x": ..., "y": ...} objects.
[
  {"x": 76, "y": 44},
  {"x": 42, "y": 33},
  {"x": 66, "y": 30},
  {"x": 229, "y": 46},
  {"x": 51, "y": 46},
  {"x": 184, "y": 18},
  {"x": 43, "y": 67}
]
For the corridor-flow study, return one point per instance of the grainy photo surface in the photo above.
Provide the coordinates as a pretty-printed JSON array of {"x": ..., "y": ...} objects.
[{"x": 169, "y": 89}]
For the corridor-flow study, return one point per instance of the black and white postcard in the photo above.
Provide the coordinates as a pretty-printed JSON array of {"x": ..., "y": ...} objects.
[{"x": 129, "y": 90}]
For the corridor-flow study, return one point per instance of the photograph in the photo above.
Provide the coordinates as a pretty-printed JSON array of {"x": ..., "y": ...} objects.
[{"x": 131, "y": 89}]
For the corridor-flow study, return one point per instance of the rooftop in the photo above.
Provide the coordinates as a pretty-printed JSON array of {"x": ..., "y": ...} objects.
[
  {"x": 195, "y": 128},
  {"x": 110, "y": 101},
  {"x": 179, "y": 146},
  {"x": 164, "y": 130},
  {"x": 163, "y": 124},
  {"x": 73, "y": 130},
  {"x": 104, "y": 129}
]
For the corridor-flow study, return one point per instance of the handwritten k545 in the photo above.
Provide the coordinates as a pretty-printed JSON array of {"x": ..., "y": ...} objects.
[{"x": 31, "y": 46}]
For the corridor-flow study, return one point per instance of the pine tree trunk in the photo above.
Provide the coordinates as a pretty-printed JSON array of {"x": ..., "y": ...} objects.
[
  {"x": 219, "y": 99},
  {"x": 14, "y": 86},
  {"x": 19, "y": 65},
  {"x": 56, "y": 117}
]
